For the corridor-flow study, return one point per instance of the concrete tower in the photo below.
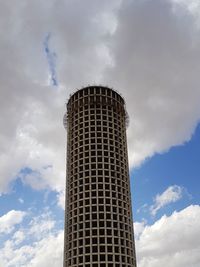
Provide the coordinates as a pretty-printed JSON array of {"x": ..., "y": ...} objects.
[{"x": 98, "y": 216}]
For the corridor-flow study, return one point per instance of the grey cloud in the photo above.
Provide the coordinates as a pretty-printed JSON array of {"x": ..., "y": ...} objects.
[
  {"x": 32, "y": 134},
  {"x": 156, "y": 53}
]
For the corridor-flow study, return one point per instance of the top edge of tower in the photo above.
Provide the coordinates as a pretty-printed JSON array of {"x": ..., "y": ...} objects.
[
  {"x": 95, "y": 90},
  {"x": 92, "y": 87}
]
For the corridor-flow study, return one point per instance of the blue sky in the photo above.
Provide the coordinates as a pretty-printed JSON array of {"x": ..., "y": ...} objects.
[
  {"x": 179, "y": 166},
  {"x": 146, "y": 50}
]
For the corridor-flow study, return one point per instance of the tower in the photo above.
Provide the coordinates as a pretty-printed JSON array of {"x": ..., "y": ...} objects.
[{"x": 98, "y": 215}]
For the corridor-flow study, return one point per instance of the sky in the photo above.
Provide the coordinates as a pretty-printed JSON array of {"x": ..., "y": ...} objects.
[{"x": 149, "y": 51}]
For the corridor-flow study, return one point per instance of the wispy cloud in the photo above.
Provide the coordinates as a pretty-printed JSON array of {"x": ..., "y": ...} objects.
[
  {"x": 51, "y": 58},
  {"x": 21, "y": 200},
  {"x": 144, "y": 208},
  {"x": 170, "y": 195},
  {"x": 9, "y": 220}
]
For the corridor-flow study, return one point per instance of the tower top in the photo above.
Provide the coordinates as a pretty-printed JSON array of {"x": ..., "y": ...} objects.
[
  {"x": 95, "y": 90},
  {"x": 95, "y": 95}
]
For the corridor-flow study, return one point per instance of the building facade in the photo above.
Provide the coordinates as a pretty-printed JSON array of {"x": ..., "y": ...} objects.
[{"x": 98, "y": 215}]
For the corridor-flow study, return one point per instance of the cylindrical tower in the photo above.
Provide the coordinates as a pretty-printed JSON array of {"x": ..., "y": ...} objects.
[{"x": 98, "y": 216}]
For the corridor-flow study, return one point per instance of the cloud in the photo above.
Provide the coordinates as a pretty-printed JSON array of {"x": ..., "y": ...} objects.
[
  {"x": 171, "y": 241},
  {"x": 144, "y": 208},
  {"x": 156, "y": 55},
  {"x": 9, "y": 220},
  {"x": 21, "y": 200},
  {"x": 37, "y": 243},
  {"x": 61, "y": 199},
  {"x": 192, "y": 6},
  {"x": 48, "y": 251},
  {"x": 148, "y": 50},
  {"x": 172, "y": 194},
  {"x": 40, "y": 226},
  {"x": 138, "y": 229},
  {"x": 18, "y": 237}
]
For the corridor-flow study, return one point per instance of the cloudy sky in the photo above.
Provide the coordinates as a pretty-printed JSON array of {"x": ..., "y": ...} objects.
[{"x": 149, "y": 51}]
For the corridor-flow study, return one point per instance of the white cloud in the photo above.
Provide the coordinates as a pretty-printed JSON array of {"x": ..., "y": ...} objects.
[
  {"x": 48, "y": 251},
  {"x": 18, "y": 237},
  {"x": 172, "y": 241},
  {"x": 138, "y": 228},
  {"x": 61, "y": 199},
  {"x": 170, "y": 195},
  {"x": 9, "y": 220},
  {"x": 37, "y": 243},
  {"x": 40, "y": 226},
  {"x": 148, "y": 50}
]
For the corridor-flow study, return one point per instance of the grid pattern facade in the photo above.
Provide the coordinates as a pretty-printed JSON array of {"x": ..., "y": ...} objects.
[{"x": 98, "y": 217}]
